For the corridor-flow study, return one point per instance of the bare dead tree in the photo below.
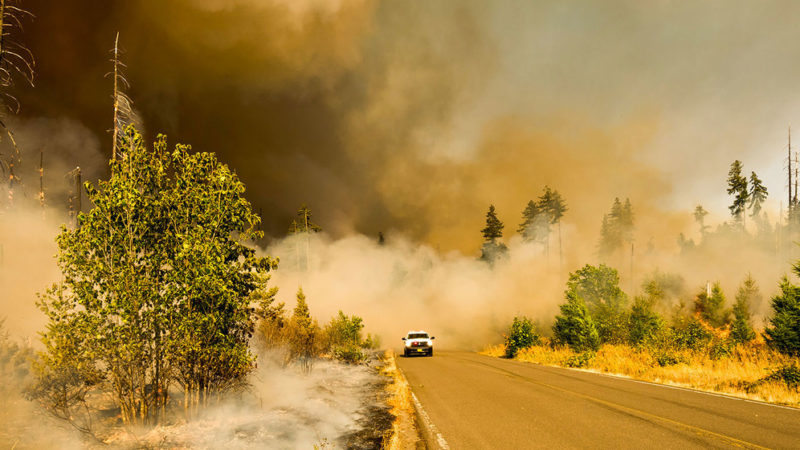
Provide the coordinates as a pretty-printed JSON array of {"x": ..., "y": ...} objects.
[
  {"x": 123, "y": 106},
  {"x": 15, "y": 61}
]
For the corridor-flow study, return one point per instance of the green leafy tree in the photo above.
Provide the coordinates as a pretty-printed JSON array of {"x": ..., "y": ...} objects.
[
  {"x": 711, "y": 307},
  {"x": 598, "y": 287},
  {"x": 783, "y": 334},
  {"x": 737, "y": 186},
  {"x": 522, "y": 334},
  {"x": 742, "y": 327},
  {"x": 758, "y": 194},
  {"x": 574, "y": 326},
  {"x": 156, "y": 281}
]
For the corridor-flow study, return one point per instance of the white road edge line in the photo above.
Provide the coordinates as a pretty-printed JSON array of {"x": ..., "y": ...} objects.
[
  {"x": 429, "y": 423},
  {"x": 670, "y": 386}
]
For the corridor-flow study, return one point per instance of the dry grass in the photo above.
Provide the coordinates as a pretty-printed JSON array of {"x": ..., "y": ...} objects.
[
  {"x": 741, "y": 374},
  {"x": 403, "y": 434}
]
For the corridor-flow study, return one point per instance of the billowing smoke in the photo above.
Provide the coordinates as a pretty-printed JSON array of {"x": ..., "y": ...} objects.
[{"x": 414, "y": 117}]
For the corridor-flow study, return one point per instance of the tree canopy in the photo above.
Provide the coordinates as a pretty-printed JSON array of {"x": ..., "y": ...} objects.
[{"x": 157, "y": 279}]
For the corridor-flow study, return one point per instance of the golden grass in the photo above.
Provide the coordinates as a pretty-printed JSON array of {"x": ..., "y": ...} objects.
[
  {"x": 737, "y": 375},
  {"x": 403, "y": 434}
]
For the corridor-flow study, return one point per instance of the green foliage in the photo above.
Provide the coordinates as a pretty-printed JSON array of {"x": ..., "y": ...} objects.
[
  {"x": 689, "y": 333},
  {"x": 372, "y": 342},
  {"x": 643, "y": 322},
  {"x": 720, "y": 349},
  {"x": 303, "y": 332},
  {"x": 598, "y": 287},
  {"x": 532, "y": 222},
  {"x": 700, "y": 217},
  {"x": 491, "y": 249},
  {"x": 664, "y": 359},
  {"x": 522, "y": 334},
  {"x": 494, "y": 227},
  {"x": 157, "y": 280},
  {"x": 344, "y": 340},
  {"x": 742, "y": 329},
  {"x": 617, "y": 228},
  {"x": 579, "y": 360},
  {"x": 784, "y": 332},
  {"x": 758, "y": 194},
  {"x": 788, "y": 374},
  {"x": 737, "y": 186},
  {"x": 575, "y": 327},
  {"x": 711, "y": 308}
]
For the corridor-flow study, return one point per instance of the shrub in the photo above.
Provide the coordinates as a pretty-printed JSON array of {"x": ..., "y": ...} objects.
[
  {"x": 521, "y": 335},
  {"x": 579, "y": 360},
  {"x": 643, "y": 322},
  {"x": 575, "y": 327},
  {"x": 667, "y": 359},
  {"x": 349, "y": 354},
  {"x": 690, "y": 333},
  {"x": 720, "y": 349},
  {"x": 343, "y": 338},
  {"x": 788, "y": 374}
]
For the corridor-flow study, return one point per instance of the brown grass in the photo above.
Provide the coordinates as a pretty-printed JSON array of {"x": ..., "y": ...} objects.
[
  {"x": 738, "y": 375},
  {"x": 403, "y": 434}
]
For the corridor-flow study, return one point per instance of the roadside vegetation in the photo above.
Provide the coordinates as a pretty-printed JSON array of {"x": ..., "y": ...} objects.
[{"x": 660, "y": 337}]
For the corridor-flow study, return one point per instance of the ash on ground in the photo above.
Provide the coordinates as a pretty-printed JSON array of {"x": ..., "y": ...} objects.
[{"x": 335, "y": 406}]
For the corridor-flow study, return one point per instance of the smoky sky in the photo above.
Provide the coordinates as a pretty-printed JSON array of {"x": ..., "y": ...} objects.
[{"x": 413, "y": 116}]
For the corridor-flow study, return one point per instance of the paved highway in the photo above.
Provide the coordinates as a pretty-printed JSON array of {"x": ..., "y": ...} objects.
[{"x": 477, "y": 401}]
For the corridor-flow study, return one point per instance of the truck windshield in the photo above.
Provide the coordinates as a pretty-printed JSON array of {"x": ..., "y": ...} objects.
[{"x": 418, "y": 335}]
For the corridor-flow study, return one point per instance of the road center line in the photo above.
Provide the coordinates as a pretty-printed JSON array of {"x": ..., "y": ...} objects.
[{"x": 629, "y": 410}]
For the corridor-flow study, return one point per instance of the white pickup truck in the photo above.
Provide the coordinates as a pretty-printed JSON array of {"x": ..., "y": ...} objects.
[{"x": 418, "y": 342}]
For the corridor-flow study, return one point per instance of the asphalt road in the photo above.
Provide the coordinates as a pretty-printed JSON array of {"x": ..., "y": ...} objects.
[{"x": 477, "y": 401}]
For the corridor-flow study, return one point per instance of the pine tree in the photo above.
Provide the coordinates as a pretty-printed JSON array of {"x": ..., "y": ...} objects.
[
  {"x": 784, "y": 332},
  {"x": 748, "y": 294},
  {"x": 758, "y": 193},
  {"x": 527, "y": 229},
  {"x": 545, "y": 205},
  {"x": 494, "y": 227},
  {"x": 700, "y": 217},
  {"x": 737, "y": 186},
  {"x": 558, "y": 206},
  {"x": 303, "y": 331},
  {"x": 491, "y": 249},
  {"x": 711, "y": 308},
  {"x": 617, "y": 228}
]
